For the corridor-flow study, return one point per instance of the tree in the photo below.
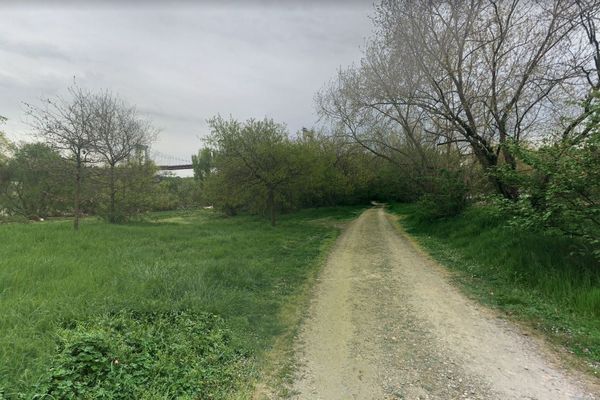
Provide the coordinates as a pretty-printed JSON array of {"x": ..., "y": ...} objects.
[
  {"x": 255, "y": 164},
  {"x": 136, "y": 185},
  {"x": 117, "y": 134},
  {"x": 174, "y": 192},
  {"x": 5, "y": 145},
  {"x": 4, "y": 152},
  {"x": 94, "y": 129},
  {"x": 476, "y": 75},
  {"x": 203, "y": 163},
  {"x": 34, "y": 182},
  {"x": 66, "y": 125}
]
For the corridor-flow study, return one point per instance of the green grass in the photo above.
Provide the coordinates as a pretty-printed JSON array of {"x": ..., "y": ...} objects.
[
  {"x": 545, "y": 280},
  {"x": 240, "y": 269}
]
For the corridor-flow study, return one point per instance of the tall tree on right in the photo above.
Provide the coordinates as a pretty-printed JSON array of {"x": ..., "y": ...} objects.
[{"x": 477, "y": 74}]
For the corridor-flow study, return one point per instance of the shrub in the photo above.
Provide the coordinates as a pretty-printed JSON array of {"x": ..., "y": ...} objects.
[
  {"x": 447, "y": 197},
  {"x": 560, "y": 190}
]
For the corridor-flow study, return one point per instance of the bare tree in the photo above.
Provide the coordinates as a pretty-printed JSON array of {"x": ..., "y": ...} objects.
[
  {"x": 118, "y": 133},
  {"x": 5, "y": 146},
  {"x": 66, "y": 125},
  {"x": 4, "y": 143},
  {"x": 480, "y": 73},
  {"x": 576, "y": 128}
]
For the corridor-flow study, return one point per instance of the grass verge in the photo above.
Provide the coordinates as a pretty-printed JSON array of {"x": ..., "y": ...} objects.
[
  {"x": 70, "y": 299},
  {"x": 543, "y": 280}
]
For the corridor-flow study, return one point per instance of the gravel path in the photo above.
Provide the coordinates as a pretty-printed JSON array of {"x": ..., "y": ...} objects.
[{"x": 385, "y": 324}]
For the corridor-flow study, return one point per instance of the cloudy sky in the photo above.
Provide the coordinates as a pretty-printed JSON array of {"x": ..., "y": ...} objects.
[{"x": 180, "y": 63}]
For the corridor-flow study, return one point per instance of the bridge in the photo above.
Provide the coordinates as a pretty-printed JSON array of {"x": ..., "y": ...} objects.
[
  {"x": 175, "y": 167},
  {"x": 167, "y": 162}
]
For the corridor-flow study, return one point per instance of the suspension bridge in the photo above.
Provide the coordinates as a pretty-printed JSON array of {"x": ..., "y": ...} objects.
[{"x": 167, "y": 162}]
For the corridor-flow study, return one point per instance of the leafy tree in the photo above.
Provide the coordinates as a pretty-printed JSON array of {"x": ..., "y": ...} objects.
[
  {"x": 203, "y": 163},
  {"x": 170, "y": 192},
  {"x": 255, "y": 165},
  {"x": 560, "y": 186},
  {"x": 135, "y": 186},
  {"x": 35, "y": 178},
  {"x": 4, "y": 152}
]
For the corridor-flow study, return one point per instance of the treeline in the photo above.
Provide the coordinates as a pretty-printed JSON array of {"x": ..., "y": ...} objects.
[
  {"x": 90, "y": 159},
  {"x": 495, "y": 101},
  {"x": 257, "y": 166},
  {"x": 452, "y": 103}
]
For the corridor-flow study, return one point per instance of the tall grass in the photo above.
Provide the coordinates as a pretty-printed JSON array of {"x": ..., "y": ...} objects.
[
  {"x": 238, "y": 268},
  {"x": 545, "y": 278}
]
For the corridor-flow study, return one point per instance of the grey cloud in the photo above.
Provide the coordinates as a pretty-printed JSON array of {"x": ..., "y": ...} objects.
[
  {"x": 180, "y": 62},
  {"x": 32, "y": 50}
]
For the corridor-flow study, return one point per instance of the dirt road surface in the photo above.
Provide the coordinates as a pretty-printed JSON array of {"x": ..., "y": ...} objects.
[{"x": 385, "y": 323}]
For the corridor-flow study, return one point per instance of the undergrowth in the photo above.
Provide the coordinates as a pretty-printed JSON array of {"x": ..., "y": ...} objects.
[{"x": 183, "y": 355}]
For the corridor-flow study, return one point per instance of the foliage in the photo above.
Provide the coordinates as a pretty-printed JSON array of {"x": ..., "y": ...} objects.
[
  {"x": 141, "y": 355},
  {"x": 560, "y": 189},
  {"x": 237, "y": 268},
  {"x": 255, "y": 165},
  {"x": 447, "y": 196},
  {"x": 5, "y": 145},
  {"x": 328, "y": 177},
  {"x": 532, "y": 275},
  {"x": 177, "y": 193},
  {"x": 131, "y": 192},
  {"x": 34, "y": 182},
  {"x": 338, "y": 172},
  {"x": 203, "y": 163}
]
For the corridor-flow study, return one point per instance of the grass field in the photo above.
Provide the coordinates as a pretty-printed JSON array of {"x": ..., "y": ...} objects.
[
  {"x": 72, "y": 302},
  {"x": 542, "y": 279}
]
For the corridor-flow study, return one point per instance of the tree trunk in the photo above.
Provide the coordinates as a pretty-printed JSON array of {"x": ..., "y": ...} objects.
[
  {"x": 77, "y": 199},
  {"x": 489, "y": 161},
  {"x": 111, "y": 216}
]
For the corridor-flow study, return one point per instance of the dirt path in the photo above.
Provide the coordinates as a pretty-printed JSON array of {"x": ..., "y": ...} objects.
[{"x": 386, "y": 324}]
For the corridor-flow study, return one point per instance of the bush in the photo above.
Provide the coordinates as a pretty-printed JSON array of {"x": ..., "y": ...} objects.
[
  {"x": 32, "y": 183},
  {"x": 135, "y": 356},
  {"x": 131, "y": 194},
  {"x": 447, "y": 197},
  {"x": 559, "y": 189}
]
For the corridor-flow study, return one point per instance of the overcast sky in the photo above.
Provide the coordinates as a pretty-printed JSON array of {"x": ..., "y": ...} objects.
[{"x": 180, "y": 63}]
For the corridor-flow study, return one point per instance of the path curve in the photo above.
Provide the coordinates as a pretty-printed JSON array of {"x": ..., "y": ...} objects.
[{"x": 385, "y": 324}]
